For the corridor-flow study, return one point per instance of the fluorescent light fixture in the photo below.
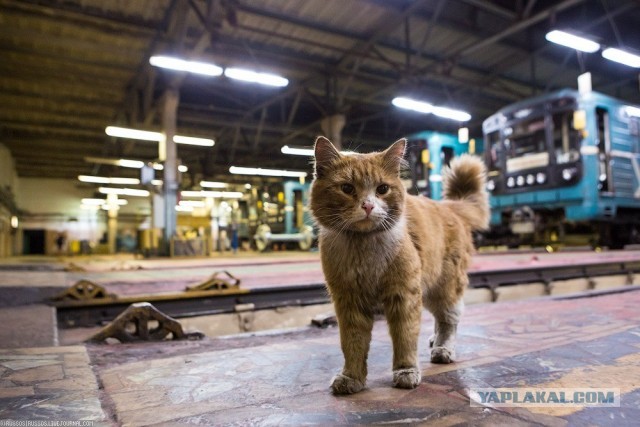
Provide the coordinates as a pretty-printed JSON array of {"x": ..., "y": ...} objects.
[
  {"x": 190, "y": 140},
  {"x": 411, "y": 104},
  {"x": 426, "y": 108},
  {"x": 214, "y": 194},
  {"x": 266, "y": 172},
  {"x": 297, "y": 151},
  {"x": 213, "y": 184},
  {"x": 181, "y": 208},
  {"x": 124, "y": 191},
  {"x": 156, "y": 182},
  {"x": 108, "y": 180},
  {"x": 184, "y": 65},
  {"x": 571, "y": 40},
  {"x": 125, "y": 163},
  {"x": 449, "y": 113},
  {"x": 255, "y": 77},
  {"x": 160, "y": 166},
  {"x": 128, "y": 163},
  {"x": 621, "y": 56},
  {"x": 145, "y": 135},
  {"x": 307, "y": 152}
]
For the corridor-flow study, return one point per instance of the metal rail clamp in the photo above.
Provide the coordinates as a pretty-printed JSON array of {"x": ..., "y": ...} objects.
[
  {"x": 84, "y": 290},
  {"x": 218, "y": 281}
]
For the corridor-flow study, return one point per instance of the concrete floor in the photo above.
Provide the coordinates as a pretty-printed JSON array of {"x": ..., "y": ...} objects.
[{"x": 282, "y": 378}]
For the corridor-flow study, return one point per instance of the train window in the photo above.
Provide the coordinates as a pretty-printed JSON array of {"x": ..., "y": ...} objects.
[
  {"x": 493, "y": 152},
  {"x": 566, "y": 139},
  {"x": 526, "y": 145},
  {"x": 602, "y": 117}
]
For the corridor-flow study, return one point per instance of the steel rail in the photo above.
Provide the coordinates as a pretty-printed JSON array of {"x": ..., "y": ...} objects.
[{"x": 189, "y": 304}]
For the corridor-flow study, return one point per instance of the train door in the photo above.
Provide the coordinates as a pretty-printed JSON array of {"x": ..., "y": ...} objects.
[
  {"x": 34, "y": 242},
  {"x": 604, "y": 148},
  {"x": 419, "y": 166},
  {"x": 298, "y": 209},
  {"x": 447, "y": 155}
]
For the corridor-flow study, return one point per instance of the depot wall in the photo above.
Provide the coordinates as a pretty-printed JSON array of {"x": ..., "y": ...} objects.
[{"x": 54, "y": 205}]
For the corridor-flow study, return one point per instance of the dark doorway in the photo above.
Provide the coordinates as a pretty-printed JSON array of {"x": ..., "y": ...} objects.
[{"x": 33, "y": 242}]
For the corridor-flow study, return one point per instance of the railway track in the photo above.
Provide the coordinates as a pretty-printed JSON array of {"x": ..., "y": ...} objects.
[{"x": 189, "y": 304}]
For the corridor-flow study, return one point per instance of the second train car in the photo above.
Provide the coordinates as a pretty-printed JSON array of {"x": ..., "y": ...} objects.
[{"x": 430, "y": 151}]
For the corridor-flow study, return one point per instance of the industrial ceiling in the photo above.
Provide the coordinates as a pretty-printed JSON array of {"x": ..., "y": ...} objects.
[{"x": 69, "y": 68}]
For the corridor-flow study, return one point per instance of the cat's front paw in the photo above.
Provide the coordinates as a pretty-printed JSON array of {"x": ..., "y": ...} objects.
[
  {"x": 442, "y": 355},
  {"x": 406, "y": 378},
  {"x": 342, "y": 384}
]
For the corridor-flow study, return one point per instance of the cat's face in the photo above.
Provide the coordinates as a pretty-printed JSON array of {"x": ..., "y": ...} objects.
[{"x": 357, "y": 192}]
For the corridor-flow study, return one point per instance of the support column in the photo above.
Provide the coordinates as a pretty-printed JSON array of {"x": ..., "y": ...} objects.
[
  {"x": 168, "y": 154},
  {"x": 332, "y": 128},
  {"x": 112, "y": 222}
]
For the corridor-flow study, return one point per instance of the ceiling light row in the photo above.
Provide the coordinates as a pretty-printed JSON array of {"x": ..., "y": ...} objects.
[
  {"x": 427, "y": 108},
  {"x": 145, "y": 135},
  {"x": 304, "y": 151},
  {"x": 584, "y": 44},
  {"x": 266, "y": 172},
  {"x": 213, "y": 70},
  {"x": 129, "y": 163}
]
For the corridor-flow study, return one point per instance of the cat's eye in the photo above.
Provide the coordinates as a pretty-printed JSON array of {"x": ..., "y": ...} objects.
[
  {"x": 382, "y": 189},
  {"x": 348, "y": 188}
]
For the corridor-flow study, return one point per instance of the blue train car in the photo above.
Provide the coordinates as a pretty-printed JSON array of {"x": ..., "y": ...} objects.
[
  {"x": 428, "y": 152},
  {"x": 565, "y": 163}
]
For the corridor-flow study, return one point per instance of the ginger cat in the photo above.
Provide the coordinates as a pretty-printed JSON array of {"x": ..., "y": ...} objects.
[{"x": 383, "y": 247}]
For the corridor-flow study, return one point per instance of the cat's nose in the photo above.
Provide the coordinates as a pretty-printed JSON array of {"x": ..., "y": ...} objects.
[{"x": 368, "y": 207}]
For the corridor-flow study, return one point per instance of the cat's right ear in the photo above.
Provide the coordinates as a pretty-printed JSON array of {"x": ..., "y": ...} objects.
[{"x": 326, "y": 154}]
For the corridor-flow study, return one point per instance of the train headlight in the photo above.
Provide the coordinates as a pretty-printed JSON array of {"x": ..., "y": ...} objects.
[
  {"x": 520, "y": 181},
  {"x": 540, "y": 178},
  {"x": 511, "y": 182},
  {"x": 491, "y": 185},
  {"x": 530, "y": 179},
  {"x": 569, "y": 173}
]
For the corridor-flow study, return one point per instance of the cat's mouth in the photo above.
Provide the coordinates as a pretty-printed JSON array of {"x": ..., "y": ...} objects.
[{"x": 366, "y": 224}]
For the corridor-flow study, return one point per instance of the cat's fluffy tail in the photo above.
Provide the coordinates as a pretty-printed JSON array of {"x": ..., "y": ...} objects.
[{"x": 465, "y": 180}]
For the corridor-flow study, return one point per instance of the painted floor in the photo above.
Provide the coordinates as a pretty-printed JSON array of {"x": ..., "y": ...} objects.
[{"x": 282, "y": 378}]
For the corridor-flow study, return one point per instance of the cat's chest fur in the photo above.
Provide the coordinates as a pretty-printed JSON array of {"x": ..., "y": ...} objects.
[{"x": 360, "y": 261}]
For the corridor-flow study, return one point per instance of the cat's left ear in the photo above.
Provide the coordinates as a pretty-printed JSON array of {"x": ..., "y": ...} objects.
[{"x": 394, "y": 155}]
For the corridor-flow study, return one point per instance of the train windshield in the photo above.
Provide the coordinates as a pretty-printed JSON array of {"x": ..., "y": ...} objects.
[{"x": 525, "y": 145}]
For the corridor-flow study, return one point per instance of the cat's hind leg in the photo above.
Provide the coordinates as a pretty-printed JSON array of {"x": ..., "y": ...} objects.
[
  {"x": 432, "y": 338},
  {"x": 446, "y": 325},
  {"x": 403, "y": 313}
]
